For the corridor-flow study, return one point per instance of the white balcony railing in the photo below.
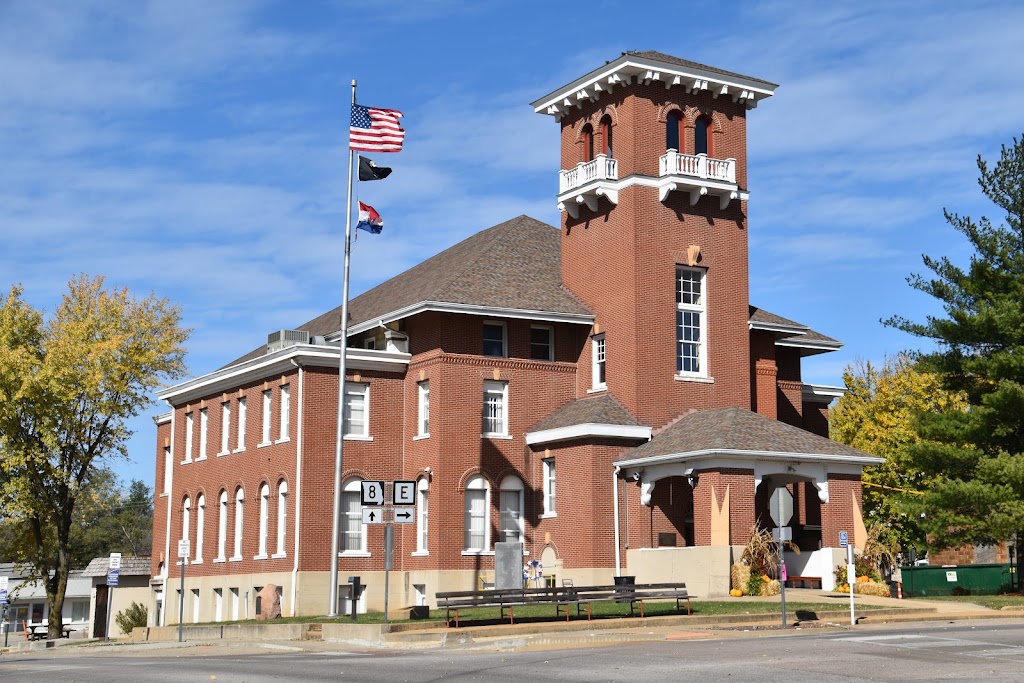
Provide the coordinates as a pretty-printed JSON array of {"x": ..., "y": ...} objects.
[
  {"x": 601, "y": 168},
  {"x": 698, "y": 166}
]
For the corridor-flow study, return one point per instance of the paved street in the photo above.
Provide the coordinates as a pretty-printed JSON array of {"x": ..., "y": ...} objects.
[{"x": 963, "y": 651}]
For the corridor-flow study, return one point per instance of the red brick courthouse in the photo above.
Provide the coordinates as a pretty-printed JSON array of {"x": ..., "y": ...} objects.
[{"x": 603, "y": 391}]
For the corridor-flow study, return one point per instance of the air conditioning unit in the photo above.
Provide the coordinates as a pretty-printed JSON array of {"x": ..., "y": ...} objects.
[{"x": 282, "y": 339}]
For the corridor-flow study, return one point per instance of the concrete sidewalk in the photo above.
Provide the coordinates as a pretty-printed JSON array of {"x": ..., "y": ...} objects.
[{"x": 559, "y": 633}]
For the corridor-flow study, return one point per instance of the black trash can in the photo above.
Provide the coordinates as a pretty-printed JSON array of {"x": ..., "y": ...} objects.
[{"x": 623, "y": 588}]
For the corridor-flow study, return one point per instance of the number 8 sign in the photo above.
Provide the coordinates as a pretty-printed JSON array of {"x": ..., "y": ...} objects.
[{"x": 372, "y": 493}]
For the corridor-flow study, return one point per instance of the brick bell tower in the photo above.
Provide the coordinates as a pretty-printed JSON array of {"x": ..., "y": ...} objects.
[{"x": 653, "y": 195}]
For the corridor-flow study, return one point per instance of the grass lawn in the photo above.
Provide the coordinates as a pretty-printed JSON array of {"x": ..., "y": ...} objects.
[
  {"x": 990, "y": 601},
  {"x": 599, "y": 610}
]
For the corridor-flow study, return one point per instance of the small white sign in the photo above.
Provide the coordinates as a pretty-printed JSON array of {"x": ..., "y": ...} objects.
[
  {"x": 951, "y": 576},
  {"x": 184, "y": 548},
  {"x": 403, "y": 493},
  {"x": 782, "y": 533},
  {"x": 115, "y": 561},
  {"x": 373, "y": 515},
  {"x": 404, "y": 515},
  {"x": 372, "y": 492}
]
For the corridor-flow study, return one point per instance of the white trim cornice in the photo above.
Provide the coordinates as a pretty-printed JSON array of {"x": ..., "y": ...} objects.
[
  {"x": 588, "y": 430},
  {"x": 468, "y": 309},
  {"x": 570, "y": 200},
  {"x": 281, "y": 361},
  {"x": 821, "y": 393},
  {"x": 630, "y": 68}
]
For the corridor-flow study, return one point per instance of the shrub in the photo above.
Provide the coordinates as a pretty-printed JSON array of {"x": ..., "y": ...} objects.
[{"x": 130, "y": 617}]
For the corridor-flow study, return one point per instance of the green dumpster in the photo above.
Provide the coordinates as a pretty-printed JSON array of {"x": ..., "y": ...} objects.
[{"x": 962, "y": 579}]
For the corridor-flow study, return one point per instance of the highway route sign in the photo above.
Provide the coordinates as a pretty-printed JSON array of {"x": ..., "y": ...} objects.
[
  {"x": 403, "y": 492},
  {"x": 372, "y": 492}
]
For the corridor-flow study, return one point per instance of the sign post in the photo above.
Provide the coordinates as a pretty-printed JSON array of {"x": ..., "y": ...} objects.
[
  {"x": 851, "y": 578},
  {"x": 378, "y": 509},
  {"x": 113, "y": 573},
  {"x": 3, "y": 606},
  {"x": 781, "y": 507},
  {"x": 184, "y": 550}
]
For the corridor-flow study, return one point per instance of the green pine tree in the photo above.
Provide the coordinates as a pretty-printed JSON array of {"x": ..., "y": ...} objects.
[{"x": 977, "y": 495}]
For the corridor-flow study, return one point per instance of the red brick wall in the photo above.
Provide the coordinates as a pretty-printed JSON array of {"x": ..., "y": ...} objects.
[
  {"x": 837, "y": 513},
  {"x": 163, "y": 439}
]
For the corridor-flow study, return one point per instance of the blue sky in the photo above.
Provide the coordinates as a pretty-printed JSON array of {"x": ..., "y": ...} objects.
[{"x": 196, "y": 149}]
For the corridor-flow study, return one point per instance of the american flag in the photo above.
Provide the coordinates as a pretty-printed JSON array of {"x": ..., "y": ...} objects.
[{"x": 375, "y": 130}]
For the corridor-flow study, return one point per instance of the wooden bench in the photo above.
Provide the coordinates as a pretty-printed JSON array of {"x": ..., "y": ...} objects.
[
  {"x": 803, "y": 582},
  {"x": 561, "y": 597}
]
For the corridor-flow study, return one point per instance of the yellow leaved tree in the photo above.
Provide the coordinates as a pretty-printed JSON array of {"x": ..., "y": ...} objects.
[{"x": 69, "y": 382}]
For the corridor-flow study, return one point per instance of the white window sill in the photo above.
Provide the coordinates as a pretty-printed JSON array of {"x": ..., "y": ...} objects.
[
  {"x": 259, "y": 557},
  {"x": 197, "y": 561},
  {"x": 500, "y": 437},
  {"x": 594, "y": 390},
  {"x": 283, "y": 440},
  {"x": 264, "y": 444},
  {"x": 420, "y": 437},
  {"x": 223, "y": 453},
  {"x": 549, "y": 515},
  {"x": 165, "y": 494},
  {"x": 219, "y": 560},
  {"x": 278, "y": 556},
  {"x": 201, "y": 457},
  {"x": 185, "y": 462},
  {"x": 354, "y": 553},
  {"x": 239, "y": 449},
  {"x": 236, "y": 558},
  {"x": 695, "y": 378},
  {"x": 420, "y": 553},
  {"x": 477, "y": 552},
  {"x": 357, "y": 437}
]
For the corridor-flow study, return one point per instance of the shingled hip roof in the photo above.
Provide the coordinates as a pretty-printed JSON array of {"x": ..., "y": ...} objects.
[
  {"x": 599, "y": 416},
  {"x": 736, "y": 431}
]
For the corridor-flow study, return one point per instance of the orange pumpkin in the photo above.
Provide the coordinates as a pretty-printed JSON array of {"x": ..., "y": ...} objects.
[{"x": 736, "y": 593}]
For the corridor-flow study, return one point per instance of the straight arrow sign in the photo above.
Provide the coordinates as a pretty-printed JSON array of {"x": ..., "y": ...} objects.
[
  {"x": 373, "y": 515},
  {"x": 404, "y": 516}
]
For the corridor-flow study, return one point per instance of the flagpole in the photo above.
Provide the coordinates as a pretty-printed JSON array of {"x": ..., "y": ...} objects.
[{"x": 332, "y": 609}]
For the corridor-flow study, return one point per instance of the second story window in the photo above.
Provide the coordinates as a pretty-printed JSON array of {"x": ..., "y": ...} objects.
[
  {"x": 673, "y": 124},
  {"x": 225, "y": 427},
  {"x": 542, "y": 342},
  {"x": 548, "y": 465},
  {"x": 241, "y": 425},
  {"x": 495, "y": 343},
  {"x": 495, "y": 409},
  {"x": 423, "y": 421},
  {"x": 286, "y": 409},
  {"x": 266, "y": 418},
  {"x": 188, "y": 437},
  {"x": 691, "y": 322},
  {"x": 597, "y": 361},
  {"x": 357, "y": 399},
  {"x": 204, "y": 431}
]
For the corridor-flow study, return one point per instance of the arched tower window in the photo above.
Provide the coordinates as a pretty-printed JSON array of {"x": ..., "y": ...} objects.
[
  {"x": 673, "y": 123},
  {"x": 606, "y": 135},
  {"x": 702, "y": 136},
  {"x": 587, "y": 138}
]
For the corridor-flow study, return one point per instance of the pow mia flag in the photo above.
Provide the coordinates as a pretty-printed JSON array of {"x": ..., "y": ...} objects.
[{"x": 371, "y": 171}]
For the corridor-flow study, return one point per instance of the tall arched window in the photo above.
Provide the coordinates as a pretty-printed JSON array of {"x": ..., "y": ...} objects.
[
  {"x": 587, "y": 138},
  {"x": 222, "y": 526},
  {"x": 282, "y": 516},
  {"x": 702, "y": 136},
  {"x": 673, "y": 123},
  {"x": 264, "y": 521},
  {"x": 186, "y": 518},
  {"x": 239, "y": 517},
  {"x": 353, "y": 533},
  {"x": 422, "y": 514},
  {"x": 606, "y": 136},
  {"x": 511, "y": 505},
  {"x": 200, "y": 524},
  {"x": 478, "y": 503}
]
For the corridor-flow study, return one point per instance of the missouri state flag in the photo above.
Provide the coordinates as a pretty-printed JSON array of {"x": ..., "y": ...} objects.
[{"x": 369, "y": 219}]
